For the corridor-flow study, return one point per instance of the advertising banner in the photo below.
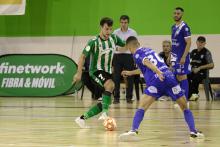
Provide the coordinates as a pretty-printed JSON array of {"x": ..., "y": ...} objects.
[{"x": 36, "y": 74}]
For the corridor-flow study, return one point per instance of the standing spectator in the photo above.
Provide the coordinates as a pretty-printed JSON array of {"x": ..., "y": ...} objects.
[
  {"x": 123, "y": 60},
  {"x": 181, "y": 42},
  {"x": 201, "y": 62},
  {"x": 166, "y": 45}
]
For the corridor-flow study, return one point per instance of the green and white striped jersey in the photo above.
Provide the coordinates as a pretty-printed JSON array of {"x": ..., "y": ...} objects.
[{"x": 102, "y": 51}]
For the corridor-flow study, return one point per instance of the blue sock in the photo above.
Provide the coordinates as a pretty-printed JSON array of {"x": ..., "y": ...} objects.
[
  {"x": 138, "y": 117},
  {"x": 189, "y": 120},
  {"x": 185, "y": 86}
]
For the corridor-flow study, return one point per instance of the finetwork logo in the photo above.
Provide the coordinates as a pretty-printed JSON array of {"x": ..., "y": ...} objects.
[
  {"x": 36, "y": 74},
  {"x": 6, "y": 68}
]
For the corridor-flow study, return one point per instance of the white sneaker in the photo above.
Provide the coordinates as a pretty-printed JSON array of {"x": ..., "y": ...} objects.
[
  {"x": 194, "y": 97},
  {"x": 103, "y": 116},
  {"x": 129, "y": 136},
  {"x": 197, "y": 135},
  {"x": 81, "y": 123},
  {"x": 100, "y": 99},
  {"x": 175, "y": 105}
]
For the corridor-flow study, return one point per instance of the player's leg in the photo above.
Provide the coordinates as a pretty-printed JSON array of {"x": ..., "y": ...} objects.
[
  {"x": 99, "y": 79},
  {"x": 94, "y": 110},
  {"x": 182, "y": 71},
  {"x": 175, "y": 92},
  {"x": 145, "y": 103},
  {"x": 152, "y": 92},
  {"x": 194, "y": 133},
  {"x": 106, "y": 98},
  {"x": 183, "y": 84}
]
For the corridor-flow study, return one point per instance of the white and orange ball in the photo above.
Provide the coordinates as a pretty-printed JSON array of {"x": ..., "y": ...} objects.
[{"x": 110, "y": 124}]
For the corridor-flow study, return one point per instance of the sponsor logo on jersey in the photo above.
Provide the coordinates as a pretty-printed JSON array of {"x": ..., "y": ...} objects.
[
  {"x": 152, "y": 89},
  {"x": 176, "y": 89}
]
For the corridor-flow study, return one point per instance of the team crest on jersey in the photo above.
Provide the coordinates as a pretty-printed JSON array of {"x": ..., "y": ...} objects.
[
  {"x": 152, "y": 89},
  {"x": 187, "y": 29},
  {"x": 176, "y": 89},
  {"x": 137, "y": 56},
  {"x": 88, "y": 48}
]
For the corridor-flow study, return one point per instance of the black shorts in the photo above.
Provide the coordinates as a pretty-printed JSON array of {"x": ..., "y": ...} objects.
[{"x": 100, "y": 77}]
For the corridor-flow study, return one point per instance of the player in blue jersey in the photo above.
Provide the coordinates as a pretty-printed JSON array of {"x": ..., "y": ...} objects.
[
  {"x": 181, "y": 42},
  {"x": 160, "y": 81}
]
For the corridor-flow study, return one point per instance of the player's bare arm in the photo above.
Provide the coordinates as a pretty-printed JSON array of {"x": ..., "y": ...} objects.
[
  {"x": 126, "y": 73},
  {"x": 186, "y": 51},
  {"x": 78, "y": 75},
  {"x": 154, "y": 68}
]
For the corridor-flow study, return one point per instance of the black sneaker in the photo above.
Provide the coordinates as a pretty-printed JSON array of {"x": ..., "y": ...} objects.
[
  {"x": 116, "y": 102},
  {"x": 129, "y": 101}
]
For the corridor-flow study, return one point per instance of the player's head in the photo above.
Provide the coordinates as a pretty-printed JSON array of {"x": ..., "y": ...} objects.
[
  {"x": 124, "y": 21},
  {"x": 132, "y": 44},
  {"x": 106, "y": 27},
  {"x": 201, "y": 42},
  {"x": 178, "y": 13},
  {"x": 166, "y": 44}
]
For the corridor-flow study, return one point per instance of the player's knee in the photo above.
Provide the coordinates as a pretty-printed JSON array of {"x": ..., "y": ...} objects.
[
  {"x": 109, "y": 85},
  {"x": 182, "y": 103}
]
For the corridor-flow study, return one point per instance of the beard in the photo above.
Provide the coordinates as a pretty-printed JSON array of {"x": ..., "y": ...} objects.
[{"x": 177, "y": 19}]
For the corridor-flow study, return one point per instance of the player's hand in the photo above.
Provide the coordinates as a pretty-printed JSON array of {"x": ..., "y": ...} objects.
[
  {"x": 195, "y": 70},
  {"x": 160, "y": 76},
  {"x": 182, "y": 61},
  {"x": 77, "y": 77},
  {"x": 126, "y": 73}
]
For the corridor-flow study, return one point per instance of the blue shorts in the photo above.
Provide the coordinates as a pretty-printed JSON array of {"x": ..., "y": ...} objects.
[
  {"x": 169, "y": 87},
  {"x": 179, "y": 69}
]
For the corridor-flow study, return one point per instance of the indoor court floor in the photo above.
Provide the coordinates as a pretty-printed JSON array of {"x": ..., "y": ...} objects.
[{"x": 49, "y": 122}]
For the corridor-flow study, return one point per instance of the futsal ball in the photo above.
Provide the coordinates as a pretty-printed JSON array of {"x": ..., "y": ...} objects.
[{"x": 110, "y": 124}]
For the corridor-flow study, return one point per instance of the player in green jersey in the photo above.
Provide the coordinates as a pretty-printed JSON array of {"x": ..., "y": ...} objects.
[{"x": 101, "y": 50}]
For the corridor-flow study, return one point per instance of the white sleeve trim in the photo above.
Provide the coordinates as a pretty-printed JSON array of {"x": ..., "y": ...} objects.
[{"x": 187, "y": 37}]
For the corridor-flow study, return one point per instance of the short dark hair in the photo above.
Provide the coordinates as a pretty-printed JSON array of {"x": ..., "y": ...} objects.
[
  {"x": 201, "y": 39},
  {"x": 130, "y": 39},
  {"x": 106, "y": 20},
  {"x": 125, "y": 17},
  {"x": 179, "y": 8}
]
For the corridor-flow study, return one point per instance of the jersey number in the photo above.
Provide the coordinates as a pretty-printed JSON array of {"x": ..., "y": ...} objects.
[{"x": 154, "y": 60}]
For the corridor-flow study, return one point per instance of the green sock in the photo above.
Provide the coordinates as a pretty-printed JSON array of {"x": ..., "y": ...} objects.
[
  {"x": 93, "y": 111},
  {"x": 106, "y": 101}
]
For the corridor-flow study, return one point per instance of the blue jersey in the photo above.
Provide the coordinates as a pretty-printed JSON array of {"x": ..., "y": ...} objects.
[
  {"x": 147, "y": 53},
  {"x": 179, "y": 33},
  {"x": 155, "y": 87}
]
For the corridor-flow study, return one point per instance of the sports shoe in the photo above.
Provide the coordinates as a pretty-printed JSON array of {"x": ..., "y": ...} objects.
[
  {"x": 197, "y": 135},
  {"x": 175, "y": 105},
  {"x": 128, "y": 136},
  {"x": 194, "y": 97},
  {"x": 103, "y": 116},
  {"x": 81, "y": 123},
  {"x": 116, "y": 102},
  {"x": 100, "y": 99}
]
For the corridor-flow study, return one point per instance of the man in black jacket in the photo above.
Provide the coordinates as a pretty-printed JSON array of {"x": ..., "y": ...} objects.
[{"x": 201, "y": 62}]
